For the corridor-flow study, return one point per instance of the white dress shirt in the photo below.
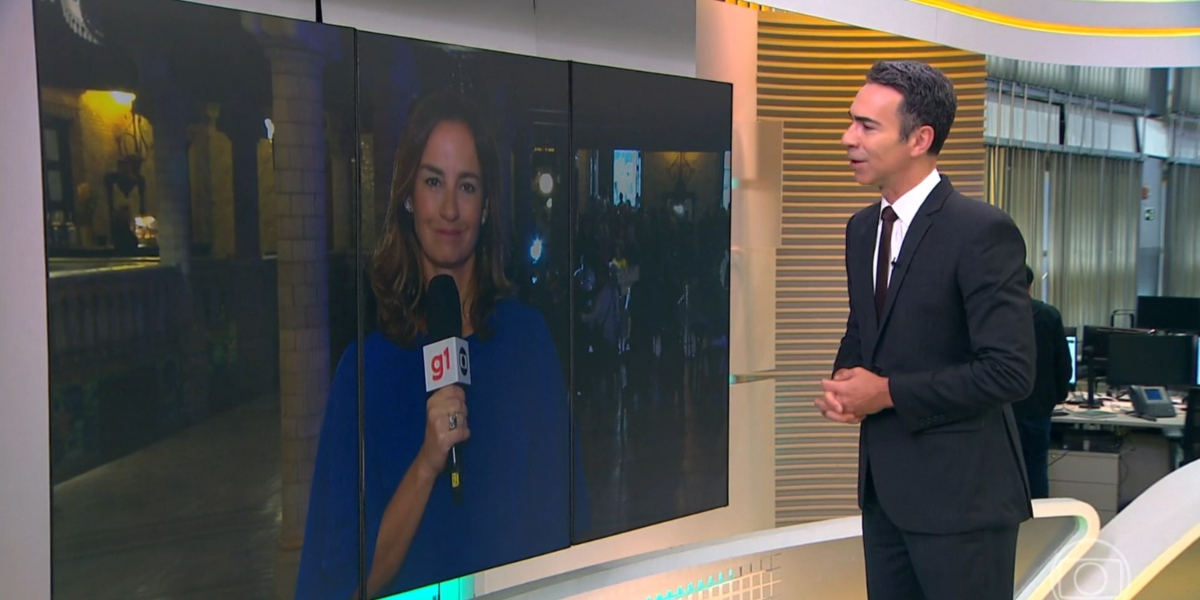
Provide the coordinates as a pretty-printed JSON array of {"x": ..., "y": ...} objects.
[{"x": 906, "y": 208}]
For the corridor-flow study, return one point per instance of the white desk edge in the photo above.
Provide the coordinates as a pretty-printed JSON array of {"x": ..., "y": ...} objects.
[{"x": 597, "y": 577}]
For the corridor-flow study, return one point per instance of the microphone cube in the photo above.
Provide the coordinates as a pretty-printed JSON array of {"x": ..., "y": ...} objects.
[{"x": 447, "y": 362}]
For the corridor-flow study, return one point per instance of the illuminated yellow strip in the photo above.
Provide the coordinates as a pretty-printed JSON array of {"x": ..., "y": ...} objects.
[
  {"x": 1059, "y": 28},
  {"x": 752, "y": 5}
]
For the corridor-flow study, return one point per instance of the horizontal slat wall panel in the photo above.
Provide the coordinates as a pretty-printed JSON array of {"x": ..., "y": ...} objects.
[{"x": 808, "y": 72}]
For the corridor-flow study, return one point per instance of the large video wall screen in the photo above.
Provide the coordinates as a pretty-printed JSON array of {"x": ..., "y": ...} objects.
[{"x": 336, "y": 314}]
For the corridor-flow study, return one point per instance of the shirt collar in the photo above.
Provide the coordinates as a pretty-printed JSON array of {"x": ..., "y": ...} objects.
[{"x": 906, "y": 206}]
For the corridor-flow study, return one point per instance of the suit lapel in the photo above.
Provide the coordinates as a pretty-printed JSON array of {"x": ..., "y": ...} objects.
[
  {"x": 863, "y": 268},
  {"x": 912, "y": 240}
]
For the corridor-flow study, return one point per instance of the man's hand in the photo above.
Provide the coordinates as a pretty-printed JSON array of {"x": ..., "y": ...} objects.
[
  {"x": 852, "y": 395},
  {"x": 832, "y": 409}
]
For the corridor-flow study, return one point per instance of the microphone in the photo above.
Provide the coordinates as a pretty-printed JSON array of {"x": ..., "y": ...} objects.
[{"x": 447, "y": 358}]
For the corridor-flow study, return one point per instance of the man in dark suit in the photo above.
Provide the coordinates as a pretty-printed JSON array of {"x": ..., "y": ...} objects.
[
  {"x": 1050, "y": 387},
  {"x": 938, "y": 344}
]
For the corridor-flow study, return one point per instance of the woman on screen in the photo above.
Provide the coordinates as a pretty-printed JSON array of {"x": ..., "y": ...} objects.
[{"x": 511, "y": 427}]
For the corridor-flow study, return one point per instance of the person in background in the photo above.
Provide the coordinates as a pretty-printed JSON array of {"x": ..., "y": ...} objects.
[
  {"x": 1051, "y": 382},
  {"x": 124, "y": 240}
]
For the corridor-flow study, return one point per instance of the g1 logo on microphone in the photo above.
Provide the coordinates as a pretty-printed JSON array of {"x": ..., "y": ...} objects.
[
  {"x": 446, "y": 363},
  {"x": 439, "y": 363}
]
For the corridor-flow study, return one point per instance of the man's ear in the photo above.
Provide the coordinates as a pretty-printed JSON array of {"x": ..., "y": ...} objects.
[{"x": 920, "y": 140}]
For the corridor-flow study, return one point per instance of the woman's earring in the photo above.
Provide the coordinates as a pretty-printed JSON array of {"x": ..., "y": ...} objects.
[
  {"x": 408, "y": 205},
  {"x": 483, "y": 221}
]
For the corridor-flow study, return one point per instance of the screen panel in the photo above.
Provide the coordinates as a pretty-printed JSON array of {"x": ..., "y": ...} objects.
[
  {"x": 651, "y": 295},
  {"x": 1151, "y": 360},
  {"x": 201, "y": 258},
  {"x": 1169, "y": 313},
  {"x": 1073, "y": 349},
  {"x": 220, "y": 217},
  {"x": 464, "y": 173}
]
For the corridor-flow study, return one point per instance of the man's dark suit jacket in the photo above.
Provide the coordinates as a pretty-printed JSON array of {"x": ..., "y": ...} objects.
[
  {"x": 956, "y": 342},
  {"x": 1053, "y": 378}
]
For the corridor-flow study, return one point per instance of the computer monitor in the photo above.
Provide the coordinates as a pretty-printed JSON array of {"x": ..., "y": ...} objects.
[
  {"x": 1073, "y": 347},
  {"x": 1151, "y": 360},
  {"x": 1094, "y": 352},
  {"x": 1168, "y": 313}
]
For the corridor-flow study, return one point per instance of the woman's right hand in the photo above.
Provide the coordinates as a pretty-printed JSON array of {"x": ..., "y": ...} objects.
[{"x": 445, "y": 426}]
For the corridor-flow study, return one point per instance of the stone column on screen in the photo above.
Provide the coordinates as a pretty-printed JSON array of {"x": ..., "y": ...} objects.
[
  {"x": 298, "y": 53},
  {"x": 168, "y": 110},
  {"x": 243, "y": 124}
]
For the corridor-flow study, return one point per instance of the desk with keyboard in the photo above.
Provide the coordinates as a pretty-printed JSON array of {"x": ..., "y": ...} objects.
[
  {"x": 1107, "y": 456},
  {"x": 1116, "y": 415}
]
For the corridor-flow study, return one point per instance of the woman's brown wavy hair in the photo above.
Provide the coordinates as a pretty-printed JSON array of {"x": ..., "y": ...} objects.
[{"x": 396, "y": 276}]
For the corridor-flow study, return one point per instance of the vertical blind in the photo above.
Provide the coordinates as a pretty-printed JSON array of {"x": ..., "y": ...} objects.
[
  {"x": 1092, "y": 223},
  {"x": 1181, "y": 246}
]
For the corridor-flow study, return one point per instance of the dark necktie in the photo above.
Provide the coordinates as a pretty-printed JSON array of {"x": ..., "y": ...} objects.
[{"x": 885, "y": 258}]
